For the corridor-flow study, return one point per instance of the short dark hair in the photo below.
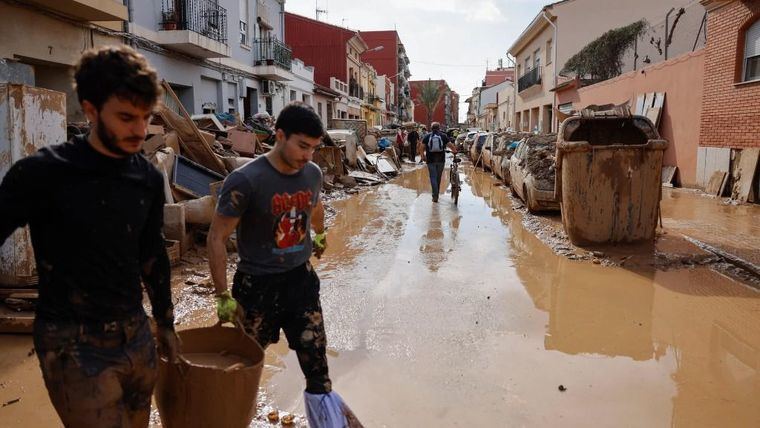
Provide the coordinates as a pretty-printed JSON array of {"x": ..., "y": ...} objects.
[
  {"x": 116, "y": 71},
  {"x": 299, "y": 118},
  {"x": 435, "y": 126}
]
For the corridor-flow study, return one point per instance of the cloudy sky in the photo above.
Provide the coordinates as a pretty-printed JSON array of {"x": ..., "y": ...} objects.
[{"x": 445, "y": 39}]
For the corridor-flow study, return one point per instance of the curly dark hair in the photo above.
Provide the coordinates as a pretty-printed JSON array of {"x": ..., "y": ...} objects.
[{"x": 116, "y": 71}]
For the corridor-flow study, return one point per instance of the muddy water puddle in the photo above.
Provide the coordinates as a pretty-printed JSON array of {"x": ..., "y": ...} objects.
[{"x": 461, "y": 316}]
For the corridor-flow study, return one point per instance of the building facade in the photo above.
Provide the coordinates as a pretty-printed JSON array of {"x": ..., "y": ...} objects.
[
  {"x": 53, "y": 42},
  {"x": 444, "y": 112},
  {"x": 562, "y": 29},
  {"x": 387, "y": 55}
]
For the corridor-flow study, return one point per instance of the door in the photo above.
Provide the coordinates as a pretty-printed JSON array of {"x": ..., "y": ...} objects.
[{"x": 251, "y": 104}]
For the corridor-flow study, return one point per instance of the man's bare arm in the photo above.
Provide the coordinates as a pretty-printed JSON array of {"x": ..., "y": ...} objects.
[
  {"x": 318, "y": 218},
  {"x": 220, "y": 231}
]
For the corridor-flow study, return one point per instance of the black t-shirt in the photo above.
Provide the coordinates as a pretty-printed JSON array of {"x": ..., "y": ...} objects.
[
  {"x": 413, "y": 137},
  {"x": 436, "y": 157},
  {"x": 94, "y": 222}
]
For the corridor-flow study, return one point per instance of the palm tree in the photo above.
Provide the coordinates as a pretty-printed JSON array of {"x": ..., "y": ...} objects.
[{"x": 429, "y": 97}]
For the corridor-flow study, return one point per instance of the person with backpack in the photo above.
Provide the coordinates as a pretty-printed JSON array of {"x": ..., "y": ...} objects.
[{"x": 432, "y": 149}]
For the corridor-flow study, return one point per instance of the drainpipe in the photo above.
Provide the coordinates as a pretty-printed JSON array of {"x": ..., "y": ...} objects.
[
  {"x": 514, "y": 87},
  {"x": 130, "y": 14},
  {"x": 554, "y": 60}
]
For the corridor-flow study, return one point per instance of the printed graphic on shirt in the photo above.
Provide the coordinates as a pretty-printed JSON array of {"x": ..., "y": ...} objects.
[{"x": 291, "y": 226}]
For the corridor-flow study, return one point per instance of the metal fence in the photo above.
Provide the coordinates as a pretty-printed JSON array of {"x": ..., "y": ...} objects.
[
  {"x": 272, "y": 51},
  {"x": 204, "y": 17},
  {"x": 530, "y": 78}
]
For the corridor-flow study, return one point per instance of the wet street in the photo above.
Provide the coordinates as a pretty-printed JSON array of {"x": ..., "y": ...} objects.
[{"x": 449, "y": 316}]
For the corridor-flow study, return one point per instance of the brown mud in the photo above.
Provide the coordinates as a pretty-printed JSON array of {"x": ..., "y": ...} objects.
[{"x": 463, "y": 316}]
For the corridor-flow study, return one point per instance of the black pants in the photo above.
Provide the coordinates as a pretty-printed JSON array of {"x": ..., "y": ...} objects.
[
  {"x": 98, "y": 374},
  {"x": 288, "y": 301}
]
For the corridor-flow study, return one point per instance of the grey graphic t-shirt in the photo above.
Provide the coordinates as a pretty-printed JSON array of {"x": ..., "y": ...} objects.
[{"x": 275, "y": 214}]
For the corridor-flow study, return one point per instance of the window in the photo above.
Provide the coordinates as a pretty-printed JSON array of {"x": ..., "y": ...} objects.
[
  {"x": 243, "y": 22},
  {"x": 319, "y": 109},
  {"x": 527, "y": 65},
  {"x": 548, "y": 52},
  {"x": 537, "y": 58},
  {"x": 292, "y": 95},
  {"x": 752, "y": 53}
]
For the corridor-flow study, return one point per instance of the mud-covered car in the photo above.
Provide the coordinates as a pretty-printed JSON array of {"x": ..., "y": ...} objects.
[
  {"x": 497, "y": 160},
  {"x": 468, "y": 139},
  {"x": 459, "y": 142},
  {"x": 477, "y": 146},
  {"x": 532, "y": 173},
  {"x": 487, "y": 152}
]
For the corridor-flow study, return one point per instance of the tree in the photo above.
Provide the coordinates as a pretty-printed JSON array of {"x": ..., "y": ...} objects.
[
  {"x": 429, "y": 97},
  {"x": 602, "y": 59}
]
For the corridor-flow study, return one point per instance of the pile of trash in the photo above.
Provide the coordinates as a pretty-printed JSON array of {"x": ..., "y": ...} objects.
[
  {"x": 196, "y": 153},
  {"x": 542, "y": 160}
]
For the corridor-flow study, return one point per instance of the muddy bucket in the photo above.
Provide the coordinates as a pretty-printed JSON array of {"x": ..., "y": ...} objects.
[
  {"x": 216, "y": 382},
  {"x": 609, "y": 178}
]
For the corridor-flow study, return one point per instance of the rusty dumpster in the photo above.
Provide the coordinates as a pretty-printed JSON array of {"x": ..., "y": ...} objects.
[{"x": 608, "y": 178}]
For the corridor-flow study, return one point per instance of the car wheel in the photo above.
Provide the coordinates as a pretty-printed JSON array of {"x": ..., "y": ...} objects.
[{"x": 532, "y": 206}]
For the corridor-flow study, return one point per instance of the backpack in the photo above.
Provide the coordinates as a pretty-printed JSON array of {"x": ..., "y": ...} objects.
[{"x": 435, "y": 143}]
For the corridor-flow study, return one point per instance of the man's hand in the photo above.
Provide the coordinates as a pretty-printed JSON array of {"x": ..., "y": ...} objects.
[
  {"x": 320, "y": 244},
  {"x": 168, "y": 344},
  {"x": 227, "y": 308}
]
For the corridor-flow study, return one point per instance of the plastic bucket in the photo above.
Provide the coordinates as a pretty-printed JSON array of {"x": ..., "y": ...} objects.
[{"x": 215, "y": 383}]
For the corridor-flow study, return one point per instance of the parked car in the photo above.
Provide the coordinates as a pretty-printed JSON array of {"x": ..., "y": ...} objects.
[
  {"x": 468, "y": 139},
  {"x": 477, "y": 146},
  {"x": 536, "y": 192},
  {"x": 459, "y": 142},
  {"x": 487, "y": 152},
  {"x": 498, "y": 157}
]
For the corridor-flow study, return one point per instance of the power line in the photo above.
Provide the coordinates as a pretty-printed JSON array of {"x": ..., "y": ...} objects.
[{"x": 448, "y": 65}]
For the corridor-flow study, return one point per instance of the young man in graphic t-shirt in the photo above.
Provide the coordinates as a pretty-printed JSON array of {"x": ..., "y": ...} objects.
[{"x": 273, "y": 202}]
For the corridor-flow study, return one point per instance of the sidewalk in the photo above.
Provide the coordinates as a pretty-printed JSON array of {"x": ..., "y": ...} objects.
[{"x": 734, "y": 229}]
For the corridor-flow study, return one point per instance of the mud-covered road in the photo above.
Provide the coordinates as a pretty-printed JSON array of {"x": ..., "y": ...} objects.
[{"x": 449, "y": 316}]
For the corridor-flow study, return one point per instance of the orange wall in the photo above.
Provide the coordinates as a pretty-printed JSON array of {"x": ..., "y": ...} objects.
[{"x": 681, "y": 79}]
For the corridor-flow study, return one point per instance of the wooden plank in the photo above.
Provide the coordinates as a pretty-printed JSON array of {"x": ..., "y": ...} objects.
[
  {"x": 197, "y": 148},
  {"x": 716, "y": 182},
  {"x": 668, "y": 173},
  {"x": 745, "y": 174},
  {"x": 653, "y": 114},
  {"x": 659, "y": 100},
  {"x": 155, "y": 129},
  {"x": 648, "y": 101},
  {"x": 639, "y": 110}
]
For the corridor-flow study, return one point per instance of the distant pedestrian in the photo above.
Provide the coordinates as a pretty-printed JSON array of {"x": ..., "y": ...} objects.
[
  {"x": 400, "y": 138},
  {"x": 432, "y": 149},
  {"x": 95, "y": 209},
  {"x": 413, "y": 138}
]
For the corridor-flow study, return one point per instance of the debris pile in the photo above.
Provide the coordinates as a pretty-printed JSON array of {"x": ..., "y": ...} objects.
[{"x": 542, "y": 160}]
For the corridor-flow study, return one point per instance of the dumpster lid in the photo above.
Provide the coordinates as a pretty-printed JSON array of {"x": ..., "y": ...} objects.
[{"x": 608, "y": 130}]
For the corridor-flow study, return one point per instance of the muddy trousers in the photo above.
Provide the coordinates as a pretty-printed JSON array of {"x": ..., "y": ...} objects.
[
  {"x": 288, "y": 301},
  {"x": 98, "y": 374},
  {"x": 435, "y": 170}
]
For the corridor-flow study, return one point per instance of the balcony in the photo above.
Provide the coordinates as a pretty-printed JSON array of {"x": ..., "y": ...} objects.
[
  {"x": 195, "y": 27},
  {"x": 339, "y": 86},
  {"x": 273, "y": 59},
  {"x": 529, "y": 79},
  {"x": 87, "y": 10}
]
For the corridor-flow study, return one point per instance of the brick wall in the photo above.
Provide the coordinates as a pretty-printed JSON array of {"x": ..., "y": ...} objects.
[{"x": 730, "y": 110}]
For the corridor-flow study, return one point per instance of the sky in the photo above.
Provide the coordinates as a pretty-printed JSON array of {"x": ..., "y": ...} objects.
[{"x": 452, "y": 40}]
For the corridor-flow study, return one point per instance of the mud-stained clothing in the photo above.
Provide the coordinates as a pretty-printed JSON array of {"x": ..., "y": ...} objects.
[
  {"x": 288, "y": 301},
  {"x": 275, "y": 214},
  {"x": 97, "y": 374},
  {"x": 95, "y": 223},
  {"x": 96, "y": 227}
]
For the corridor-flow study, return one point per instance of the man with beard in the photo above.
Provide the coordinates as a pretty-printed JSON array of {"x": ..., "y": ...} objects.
[
  {"x": 272, "y": 203},
  {"x": 94, "y": 206}
]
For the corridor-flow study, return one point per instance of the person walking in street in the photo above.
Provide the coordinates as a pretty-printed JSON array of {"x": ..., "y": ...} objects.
[
  {"x": 273, "y": 203},
  {"x": 95, "y": 209},
  {"x": 413, "y": 137},
  {"x": 432, "y": 149},
  {"x": 400, "y": 139}
]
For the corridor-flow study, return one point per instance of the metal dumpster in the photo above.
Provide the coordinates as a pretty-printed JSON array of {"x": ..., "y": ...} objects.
[{"x": 608, "y": 178}]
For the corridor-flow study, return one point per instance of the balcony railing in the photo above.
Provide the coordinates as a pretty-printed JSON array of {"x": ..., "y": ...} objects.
[
  {"x": 530, "y": 78},
  {"x": 204, "y": 17},
  {"x": 271, "y": 51}
]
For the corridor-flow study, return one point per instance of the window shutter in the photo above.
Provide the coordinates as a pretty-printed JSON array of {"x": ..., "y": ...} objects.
[{"x": 752, "y": 45}]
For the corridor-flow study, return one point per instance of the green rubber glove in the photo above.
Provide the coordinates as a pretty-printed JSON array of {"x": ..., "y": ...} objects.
[
  {"x": 226, "y": 307},
  {"x": 320, "y": 244}
]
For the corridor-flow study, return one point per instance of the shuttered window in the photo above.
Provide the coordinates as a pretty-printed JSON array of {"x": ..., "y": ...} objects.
[{"x": 752, "y": 53}]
